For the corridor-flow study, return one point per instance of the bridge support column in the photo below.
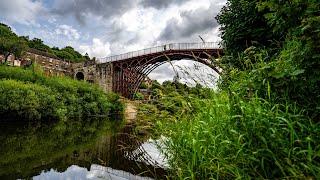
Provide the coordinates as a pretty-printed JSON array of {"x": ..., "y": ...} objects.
[{"x": 105, "y": 76}]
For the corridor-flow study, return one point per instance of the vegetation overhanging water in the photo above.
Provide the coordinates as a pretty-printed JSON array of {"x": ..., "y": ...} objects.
[{"x": 262, "y": 122}]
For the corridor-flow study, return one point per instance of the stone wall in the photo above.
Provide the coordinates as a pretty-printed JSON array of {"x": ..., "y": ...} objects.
[
  {"x": 11, "y": 61},
  {"x": 104, "y": 74},
  {"x": 100, "y": 74},
  {"x": 51, "y": 66}
]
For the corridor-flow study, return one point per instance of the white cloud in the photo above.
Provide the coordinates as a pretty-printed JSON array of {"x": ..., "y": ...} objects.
[
  {"x": 97, "y": 49},
  {"x": 68, "y": 31},
  {"x": 21, "y": 11}
]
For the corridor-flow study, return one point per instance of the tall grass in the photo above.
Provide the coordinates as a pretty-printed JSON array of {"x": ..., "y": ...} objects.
[
  {"x": 242, "y": 130},
  {"x": 235, "y": 138}
]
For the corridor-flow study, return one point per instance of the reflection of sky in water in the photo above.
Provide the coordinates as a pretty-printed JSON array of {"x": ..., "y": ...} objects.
[
  {"x": 74, "y": 172},
  {"x": 152, "y": 155},
  {"x": 96, "y": 172}
]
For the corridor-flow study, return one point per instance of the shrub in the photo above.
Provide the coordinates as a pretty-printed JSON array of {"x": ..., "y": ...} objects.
[
  {"x": 138, "y": 96},
  {"x": 28, "y": 101},
  {"x": 75, "y": 99}
]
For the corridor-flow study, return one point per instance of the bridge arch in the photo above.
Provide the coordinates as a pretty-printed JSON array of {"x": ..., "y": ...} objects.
[
  {"x": 79, "y": 75},
  {"x": 154, "y": 63},
  {"x": 129, "y": 75}
]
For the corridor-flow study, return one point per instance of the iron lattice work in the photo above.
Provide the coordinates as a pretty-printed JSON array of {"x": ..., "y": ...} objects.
[{"x": 131, "y": 68}]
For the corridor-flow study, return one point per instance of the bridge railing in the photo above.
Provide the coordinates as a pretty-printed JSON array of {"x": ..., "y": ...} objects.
[{"x": 166, "y": 47}]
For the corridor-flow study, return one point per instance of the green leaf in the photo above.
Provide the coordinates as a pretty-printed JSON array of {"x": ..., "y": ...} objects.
[{"x": 297, "y": 72}]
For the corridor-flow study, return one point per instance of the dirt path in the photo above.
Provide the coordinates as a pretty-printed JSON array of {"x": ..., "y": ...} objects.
[{"x": 130, "y": 112}]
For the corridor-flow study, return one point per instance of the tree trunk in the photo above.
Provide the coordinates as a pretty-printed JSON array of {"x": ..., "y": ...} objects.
[{"x": 6, "y": 57}]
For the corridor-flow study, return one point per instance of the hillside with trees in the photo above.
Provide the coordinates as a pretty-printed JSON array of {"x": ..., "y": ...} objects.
[{"x": 11, "y": 43}]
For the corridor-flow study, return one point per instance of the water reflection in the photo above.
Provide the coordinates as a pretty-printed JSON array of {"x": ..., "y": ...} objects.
[
  {"x": 95, "y": 172},
  {"x": 72, "y": 149}
]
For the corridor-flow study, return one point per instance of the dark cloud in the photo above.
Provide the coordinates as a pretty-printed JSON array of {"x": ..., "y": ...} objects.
[
  {"x": 192, "y": 22},
  {"x": 159, "y": 4},
  {"x": 80, "y": 9}
]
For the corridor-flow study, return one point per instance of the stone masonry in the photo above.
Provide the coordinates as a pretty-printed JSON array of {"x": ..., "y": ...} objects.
[{"x": 90, "y": 71}]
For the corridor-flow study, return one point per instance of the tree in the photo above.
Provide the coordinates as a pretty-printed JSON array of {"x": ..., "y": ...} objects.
[
  {"x": 63, "y": 55},
  {"x": 38, "y": 44},
  {"x": 10, "y": 43},
  {"x": 242, "y": 26},
  {"x": 286, "y": 40},
  {"x": 143, "y": 85}
]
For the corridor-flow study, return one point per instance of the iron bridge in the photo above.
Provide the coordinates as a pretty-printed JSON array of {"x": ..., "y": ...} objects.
[{"x": 130, "y": 69}]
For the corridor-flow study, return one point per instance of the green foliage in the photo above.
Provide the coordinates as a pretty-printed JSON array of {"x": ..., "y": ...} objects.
[
  {"x": 37, "y": 43},
  {"x": 30, "y": 95},
  {"x": 242, "y": 26},
  {"x": 169, "y": 87},
  {"x": 56, "y": 146},
  {"x": 228, "y": 137},
  {"x": 68, "y": 53},
  {"x": 143, "y": 85},
  {"x": 234, "y": 133},
  {"x": 30, "y": 101},
  {"x": 290, "y": 63},
  {"x": 10, "y": 43},
  {"x": 138, "y": 96}
]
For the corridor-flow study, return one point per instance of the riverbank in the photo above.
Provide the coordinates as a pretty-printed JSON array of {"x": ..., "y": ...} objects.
[
  {"x": 27, "y": 94},
  {"x": 229, "y": 136},
  {"x": 61, "y": 150}
]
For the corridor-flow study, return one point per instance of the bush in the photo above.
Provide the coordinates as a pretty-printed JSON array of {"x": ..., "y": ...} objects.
[
  {"x": 28, "y": 101},
  {"x": 138, "y": 96},
  {"x": 65, "y": 98}
]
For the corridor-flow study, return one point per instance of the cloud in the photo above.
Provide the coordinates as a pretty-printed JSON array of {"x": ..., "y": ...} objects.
[
  {"x": 162, "y": 73},
  {"x": 21, "y": 11},
  {"x": 159, "y": 4},
  {"x": 67, "y": 31},
  {"x": 80, "y": 9},
  {"x": 97, "y": 49},
  {"x": 191, "y": 22},
  {"x": 190, "y": 72}
]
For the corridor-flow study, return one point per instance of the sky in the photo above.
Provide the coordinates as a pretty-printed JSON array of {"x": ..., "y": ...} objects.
[{"x": 103, "y": 28}]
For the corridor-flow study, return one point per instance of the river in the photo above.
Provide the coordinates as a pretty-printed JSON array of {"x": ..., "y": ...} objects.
[{"x": 83, "y": 149}]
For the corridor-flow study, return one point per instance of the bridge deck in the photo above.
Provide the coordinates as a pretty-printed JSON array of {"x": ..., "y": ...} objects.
[{"x": 163, "y": 48}]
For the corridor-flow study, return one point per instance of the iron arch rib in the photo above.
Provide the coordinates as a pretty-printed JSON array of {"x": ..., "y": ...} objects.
[{"x": 128, "y": 74}]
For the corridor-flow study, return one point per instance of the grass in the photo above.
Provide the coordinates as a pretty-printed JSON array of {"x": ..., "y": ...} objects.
[
  {"x": 232, "y": 138},
  {"x": 228, "y": 135}
]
